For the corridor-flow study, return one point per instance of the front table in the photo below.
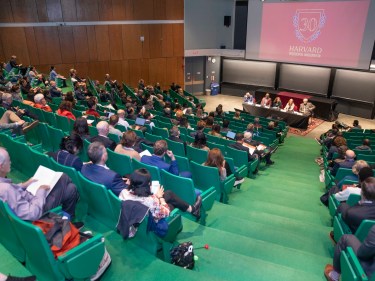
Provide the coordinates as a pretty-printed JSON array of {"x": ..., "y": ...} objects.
[{"x": 292, "y": 119}]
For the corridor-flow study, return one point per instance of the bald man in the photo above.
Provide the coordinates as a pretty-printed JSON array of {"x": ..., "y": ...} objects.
[
  {"x": 29, "y": 207},
  {"x": 306, "y": 108},
  {"x": 348, "y": 163},
  {"x": 121, "y": 118},
  {"x": 103, "y": 131}
]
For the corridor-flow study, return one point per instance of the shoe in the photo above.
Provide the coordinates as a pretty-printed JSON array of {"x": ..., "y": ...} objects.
[
  {"x": 239, "y": 181},
  {"x": 78, "y": 224},
  {"x": 28, "y": 126},
  {"x": 27, "y": 278},
  {"x": 270, "y": 163},
  {"x": 104, "y": 264},
  {"x": 196, "y": 208},
  {"x": 330, "y": 274},
  {"x": 332, "y": 238}
]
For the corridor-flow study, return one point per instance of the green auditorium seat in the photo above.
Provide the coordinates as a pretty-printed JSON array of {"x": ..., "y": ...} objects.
[
  {"x": 8, "y": 236},
  {"x": 154, "y": 171},
  {"x": 152, "y": 138},
  {"x": 139, "y": 133},
  {"x": 204, "y": 177},
  {"x": 185, "y": 189},
  {"x": 114, "y": 137},
  {"x": 195, "y": 154},
  {"x": 56, "y": 136},
  {"x": 160, "y": 132},
  {"x": 50, "y": 118},
  {"x": 120, "y": 163},
  {"x": 63, "y": 123},
  {"x": 368, "y": 158},
  {"x": 240, "y": 158},
  {"x": 178, "y": 148},
  {"x": 342, "y": 173},
  {"x": 351, "y": 269},
  {"x": 81, "y": 262}
]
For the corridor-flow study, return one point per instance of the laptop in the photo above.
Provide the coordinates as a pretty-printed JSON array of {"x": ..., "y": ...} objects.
[
  {"x": 231, "y": 135},
  {"x": 140, "y": 121}
]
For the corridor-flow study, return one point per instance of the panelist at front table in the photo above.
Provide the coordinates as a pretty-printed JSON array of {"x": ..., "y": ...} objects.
[
  {"x": 277, "y": 103},
  {"x": 266, "y": 100},
  {"x": 290, "y": 107},
  {"x": 248, "y": 98}
]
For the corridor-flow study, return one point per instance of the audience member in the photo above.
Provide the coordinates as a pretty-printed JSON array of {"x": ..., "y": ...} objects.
[
  {"x": 126, "y": 145},
  {"x": 239, "y": 146},
  {"x": 121, "y": 119},
  {"x": 348, "y": 163},
  {"x": 215, "y": 131},
  {"x": 200, "y": 141},
  {"x": 40, "y": 102},
  {"x": 103, "y": 130},
  {"x": 366, "y": 145},
  {"x": 65, "y": 109},
  {"x": 67, "y": 154},
  {"x": 81, "y": 128},
  {"x": 91, "y": 104}
]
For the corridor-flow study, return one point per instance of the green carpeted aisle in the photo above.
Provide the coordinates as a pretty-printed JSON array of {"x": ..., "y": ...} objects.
[{"x": 273, "y": 228}]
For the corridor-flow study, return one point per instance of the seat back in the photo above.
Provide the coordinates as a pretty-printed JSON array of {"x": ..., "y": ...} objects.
[
  {"x": 152, "y": 138},
  {"x": 98, "y": 202},
  {"x": 63, "y": 123},
  {"x": 20, "y": 154},
  {"x": 239, "y": 157},
  {"x": 50, "y": 118},
  {"x": 204, "y": 177},
  {"x": 196, "y": 155},
  {"x": 351, "y": 269},
  {"x": 341, "y": 173},
  {"x": 39, "y": 257},
  {"x": 120, "y": 163},
  {"x": 182, "y": 187},
  {"x": 364, "y": 229},
  {"x": 160, "y": 132},
  {"x": 154, "y": 171},
  {"x": 39, "y": 158},
  {"x": 178, "y": 148},
  {"x": 8, "y": 236}
]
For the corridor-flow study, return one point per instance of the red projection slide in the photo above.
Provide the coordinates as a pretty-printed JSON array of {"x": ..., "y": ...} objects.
[{"x": 323, "y": 33}]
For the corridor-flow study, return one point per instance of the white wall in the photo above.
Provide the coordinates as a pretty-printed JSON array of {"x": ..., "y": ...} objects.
[{"x": 204, "y": 24}]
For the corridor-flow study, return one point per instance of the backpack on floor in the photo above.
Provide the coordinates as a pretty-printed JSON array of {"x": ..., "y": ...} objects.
[{"x": 183, "y": 255}]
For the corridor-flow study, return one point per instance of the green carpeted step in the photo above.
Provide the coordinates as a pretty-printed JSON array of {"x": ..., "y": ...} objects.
[
  {"x": 10, "y": 265},
  {"x": 294, "y": 258},
  {"x": 313, "y": 242}
]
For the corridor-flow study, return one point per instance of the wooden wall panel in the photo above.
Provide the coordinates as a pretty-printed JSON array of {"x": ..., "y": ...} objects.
[
  {"x": 157, "y": 71},
  {"x": 160, "y": 9},
  {"x": 54, "y": 10},
  {"x": 156, "y": 40},
  {"x": 178, "y": 40},
  {"x": 69, "y": 11},
  {"x": 3, "y": 58},
  {"x": 41, "y": 7},
  {"x": 102, "y": 42},
  {"x": 115, "y": 70},
  {"x": 31, "y": 45},
  {"x": 171, "y": 71},
  {"x": 82, "y": 69},
  {"x": 105, "y": 10},
  {"x": 63, "y": 69},
  {"x": 118, "y": 10},
  {"x": 14, "y": 42},
  {"x": 174, "y": 9},
  {"x": 81, "y": 44},
  {"x": 115, "y": 42},
  {"x": 145, "y": 69},
  {"x": 97, "y": 69},
  {"x": 125, "y": 72},
  {"x": 143, "y": 9},
  {"x": 68, "y": 54},
  {"x": 87, "y": 10},
  {"x": 48, "y": 44},
  {"x": 132, "y": 46},
  {"x": 129, "y": 10},
  {"x": 6, "y": 14},
  {"x": 91, "y": 40},
  {"x": 135, "y": 72},
  {"x": 24, "y": 10},
  {"x": 146, "y": 44},
  {"x": 167, "y": 42}
]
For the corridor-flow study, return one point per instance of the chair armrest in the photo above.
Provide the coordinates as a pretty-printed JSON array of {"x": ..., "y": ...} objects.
[
  {"x": 208, "y": 198},
  {"x": 332, "y": 205},
  {"x": 363, "y": 229},
  {"x": 83, "y": 261},
  {"x": 340, "y": 227}
]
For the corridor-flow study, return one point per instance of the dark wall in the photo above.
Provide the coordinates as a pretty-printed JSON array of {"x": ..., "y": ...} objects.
[{"x": 240, "y": 27}]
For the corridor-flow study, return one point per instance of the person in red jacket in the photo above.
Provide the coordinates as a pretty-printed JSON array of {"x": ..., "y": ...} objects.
[
  {"x": 91, "y": 103},
  {"x": 65, "y": 109}
]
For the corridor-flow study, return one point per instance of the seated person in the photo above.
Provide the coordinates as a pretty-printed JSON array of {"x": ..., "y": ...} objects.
[
  {"x": 161, "y": 203},
  {"x": 365, "y": 252},
  {"x": 261, "y": 150},
  {"x": 148, "y": 116},
  {"x": 200, "y": 128},
  {"x": 336, "y": 143},
  {"x": 200, "y": 141},
  {"x": 121, "y": 119},
  {"x": 157, "y": 159},
  {"x": 219, "y": 111},
  {"x": 103, "y": 131},
  {"x": 290, "y": 106},
  {"x": 239, "y": 146},
  {"x": 225, "y": 127},
  {"x": 209, "y": 121},
  {"x": 237, "y": 115},
  {"x": 184, "y": 123},
  {"x": 54, "y": 91},
  {"x": 277, "y": 103},
  {"x": 358, "y": 165},
  {"x": 113, "y": 121},
  {"x": 174, "y": 135},
  {"x": 70, "y": 97},
  {"x": 78, "y": 92},
  {"x": 364, "y": 173},
  {"x": 53, "y": 75},
  {"x": 40, "y": 102},
  {"x": 131, "y": 113},
  {"x": 306, "y": 108},
  {"x": 98, "y": 172},
  {"x": 29, "y": 207},
  {"x": 248, "y": 98},
  {"x": 67, "y": 154},
  {"x": 65, "y": 109},
  {"x": 216, "y": 159},
  {"x": 272, "y": 127},
  {"x": 266, "y": 100},
  {"x": 126, "y": 145},
  {"x": 215, "y": 131},
  {"x": 366, "y": 145},
  {"x": 81, "y": 128},
  {"x": 356, "y": 126},
  {"x": 363, "y": 210},
  {"x": 348, "y": 163},
  {"x": 91, "y": 104}
]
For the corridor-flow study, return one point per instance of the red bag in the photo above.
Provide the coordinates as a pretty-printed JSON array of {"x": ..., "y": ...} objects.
[{"x": 60, "y": 233}]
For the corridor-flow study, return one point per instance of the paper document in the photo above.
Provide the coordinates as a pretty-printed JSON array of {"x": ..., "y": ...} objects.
[
  {"x": 251, "y": 150},
  {"x": 145, "y": 152},
  {"x": 155, "y": 186},
  {"x": 44, "y": 176},
  {"x": 261, "y": 147}
]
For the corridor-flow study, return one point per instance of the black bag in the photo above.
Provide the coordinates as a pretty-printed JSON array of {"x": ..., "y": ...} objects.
[{"x": 183, "y": 255}]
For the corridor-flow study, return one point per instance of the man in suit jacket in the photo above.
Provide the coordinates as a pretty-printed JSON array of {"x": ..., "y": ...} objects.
[
  {"x": 103, "y": 131},
  {"x": 54, "y": 91},
  {"x": 98, "y": 171},
  {"x": 239, "y": 146},
  {"x": 248, "y": 139},
  {"x": 348, "y": 163},
  {"x": 364, "y": 209},
  {"x": 365, "y": 252}
]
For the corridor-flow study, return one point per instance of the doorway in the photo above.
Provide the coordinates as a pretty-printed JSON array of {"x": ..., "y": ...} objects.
[{"x": 194, "y": 75}]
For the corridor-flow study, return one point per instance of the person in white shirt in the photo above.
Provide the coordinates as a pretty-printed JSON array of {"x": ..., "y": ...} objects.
[
  {"x": 121, "y": 119},
  {"x": 113, "y": 120},
  {"x": 290, "y": 105}
]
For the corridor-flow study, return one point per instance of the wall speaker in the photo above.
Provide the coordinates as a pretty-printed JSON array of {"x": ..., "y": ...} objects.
[{"x": 227, "y": 20}]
